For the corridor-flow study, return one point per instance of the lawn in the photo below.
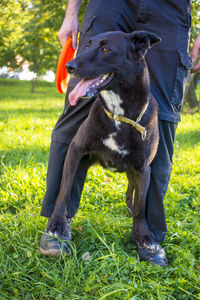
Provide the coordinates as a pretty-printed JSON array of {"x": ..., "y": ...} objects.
[{"x": 102, "y": 226}]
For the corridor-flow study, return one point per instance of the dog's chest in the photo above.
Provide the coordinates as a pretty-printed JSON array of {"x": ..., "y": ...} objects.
[
  {"x": 114, "y": 141},
  {"x": 120, "y": 151},
  {"x": 113, "y": 102},
  {"x": 118, "y": 147},
  {"x": 116, "y": 152},
  {"x": 113, "y": 144}
]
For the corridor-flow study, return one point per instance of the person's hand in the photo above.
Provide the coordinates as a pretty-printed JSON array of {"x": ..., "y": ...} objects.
[
  {"x": 68, "y": 29},
  {"x": 194, "y": 55}
]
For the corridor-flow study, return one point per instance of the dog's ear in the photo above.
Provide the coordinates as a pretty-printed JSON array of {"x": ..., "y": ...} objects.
[{"x": 142, "y": 41}]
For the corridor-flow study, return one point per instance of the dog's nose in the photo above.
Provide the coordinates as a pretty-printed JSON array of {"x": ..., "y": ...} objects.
[{"x": 71, "y": 67}]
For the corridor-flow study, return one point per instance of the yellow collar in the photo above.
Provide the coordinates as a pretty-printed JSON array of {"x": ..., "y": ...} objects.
[{"x": 135, "y": 124}]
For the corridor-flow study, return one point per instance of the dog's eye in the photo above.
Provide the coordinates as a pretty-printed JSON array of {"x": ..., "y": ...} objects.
[{"x": 105, "y": 49}]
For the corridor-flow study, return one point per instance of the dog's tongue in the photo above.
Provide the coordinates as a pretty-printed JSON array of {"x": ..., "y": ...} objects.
[{"x": 80, "y": 90}]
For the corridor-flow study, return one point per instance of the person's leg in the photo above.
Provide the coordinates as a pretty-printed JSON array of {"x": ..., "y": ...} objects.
[
  {"x": 160, "y": 174},
  {"x": 168, "y": 63},
  {"x": 51, "y": 245},
  {"x": 54, "y": 174}
]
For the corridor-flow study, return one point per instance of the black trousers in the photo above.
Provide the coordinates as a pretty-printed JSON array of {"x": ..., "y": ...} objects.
[{"x": 168, "y": 63}]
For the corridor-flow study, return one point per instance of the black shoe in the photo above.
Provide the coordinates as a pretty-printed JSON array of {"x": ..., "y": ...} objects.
[
  {"x": 54, "y": 245},
  {"x": 153, "y": 253}
]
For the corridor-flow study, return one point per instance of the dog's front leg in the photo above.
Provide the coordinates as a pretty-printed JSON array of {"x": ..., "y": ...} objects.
[
  {"x": 57, "y": 222},
  {"x": 142, "y": 235}
]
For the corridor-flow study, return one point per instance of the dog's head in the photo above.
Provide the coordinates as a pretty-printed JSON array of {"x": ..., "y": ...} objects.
[{"x": 110, "y": 58}]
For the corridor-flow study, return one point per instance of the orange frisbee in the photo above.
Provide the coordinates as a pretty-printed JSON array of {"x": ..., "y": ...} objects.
[{"x": 67, "y": 54}]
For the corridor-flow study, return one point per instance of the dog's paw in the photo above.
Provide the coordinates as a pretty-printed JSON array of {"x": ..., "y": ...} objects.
[
  {"x": 56, "y": 225},
  {"x": 143, "y": 236}
]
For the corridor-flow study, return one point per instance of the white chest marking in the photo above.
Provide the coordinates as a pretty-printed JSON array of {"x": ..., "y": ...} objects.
[
  {"x": 113, "y": 102},
  {"x": 110, "y": 142}
]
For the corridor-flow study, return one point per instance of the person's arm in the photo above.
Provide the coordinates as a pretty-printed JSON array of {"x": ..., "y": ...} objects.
[
  {"x": 194, "y": 55},
  {"x": 70, "y": 25}
]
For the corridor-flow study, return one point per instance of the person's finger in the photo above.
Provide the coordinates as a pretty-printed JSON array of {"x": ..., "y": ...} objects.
[
  {"x": 65, "y": 36},
  {"x": 60, "y": 38},
  {"x": 74, "y": 40},
  {"x": 196, "y": 68}
]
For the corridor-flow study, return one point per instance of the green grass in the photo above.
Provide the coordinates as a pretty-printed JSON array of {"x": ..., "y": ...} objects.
[
  {"x": 101, "y": 227},
  {"x": 198, "y": 91}
]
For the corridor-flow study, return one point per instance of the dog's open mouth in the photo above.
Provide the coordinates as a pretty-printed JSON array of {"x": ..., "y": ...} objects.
[{"x": 89, "y": 87}]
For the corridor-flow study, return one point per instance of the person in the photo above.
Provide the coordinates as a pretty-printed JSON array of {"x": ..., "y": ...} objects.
[{"x": 168, "y": 63}]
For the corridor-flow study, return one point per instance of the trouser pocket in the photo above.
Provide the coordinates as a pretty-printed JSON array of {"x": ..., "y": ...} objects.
[{"x": 184, "y": 63}]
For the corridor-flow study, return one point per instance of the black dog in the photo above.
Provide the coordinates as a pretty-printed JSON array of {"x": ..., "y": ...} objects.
[{"x": 121, "y": 131}]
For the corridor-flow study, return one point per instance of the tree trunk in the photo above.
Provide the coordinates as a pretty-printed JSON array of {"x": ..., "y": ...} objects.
[
  {"x": 190, "y": 95},
  {"x": 33, "y": 85}
]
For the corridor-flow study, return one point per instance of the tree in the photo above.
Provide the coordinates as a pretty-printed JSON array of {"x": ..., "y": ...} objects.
[
  {"x": 12, "y": 16},
  {"x": 190, "y": 96},
  {"x": 30, "y": 30}
]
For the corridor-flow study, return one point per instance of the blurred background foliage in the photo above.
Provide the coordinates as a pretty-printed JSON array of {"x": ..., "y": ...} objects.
[
  {"x": 192, "y": 89},
  {"x": 29, "y": 29}
]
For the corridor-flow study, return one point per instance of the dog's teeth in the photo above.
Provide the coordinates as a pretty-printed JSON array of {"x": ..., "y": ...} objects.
[{"x": 105, "y": 76}]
